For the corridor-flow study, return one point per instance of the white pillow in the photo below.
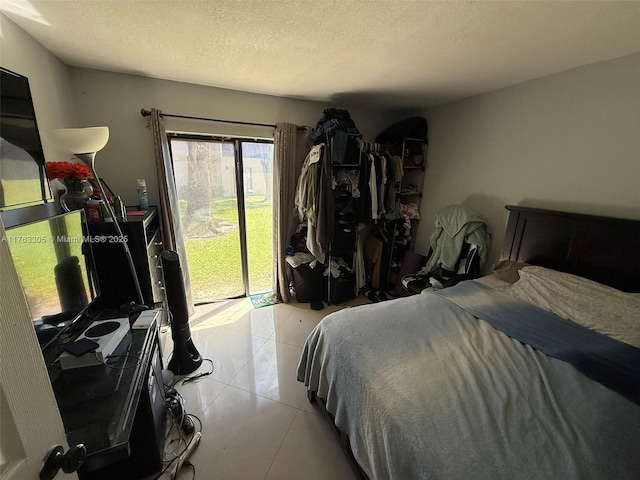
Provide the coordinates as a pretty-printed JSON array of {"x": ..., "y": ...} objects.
[{"x": 591, "y": 304}]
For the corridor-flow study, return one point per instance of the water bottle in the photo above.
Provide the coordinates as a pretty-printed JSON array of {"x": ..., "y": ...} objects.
[{"x": 143, "y": 200}]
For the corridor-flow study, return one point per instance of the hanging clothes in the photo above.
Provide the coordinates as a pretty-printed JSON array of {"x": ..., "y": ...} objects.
[
  {"x": 393, "y": 185},
  {"x": 364, "y": 204},
  {"x": 350, "y": 177},
  {"x": 382, "y": 184},
  {"x": 314, "y": 201},
  {"x": 373, "y": 187},
  {"x": 361, "y": 273},
  {"x": 325, "y": 208},
  {"x": 305, "y": 198}
]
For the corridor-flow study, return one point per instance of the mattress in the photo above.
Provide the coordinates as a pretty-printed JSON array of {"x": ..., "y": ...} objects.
[{"x": 426, "y": 390}]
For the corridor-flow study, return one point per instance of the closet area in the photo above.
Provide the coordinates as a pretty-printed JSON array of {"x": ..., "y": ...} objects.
[
  {"x": 394, "y": 229},
  {"x": 358, "y": 205}
]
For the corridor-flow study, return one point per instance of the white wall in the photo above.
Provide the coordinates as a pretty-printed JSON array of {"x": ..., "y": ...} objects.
[
  {"x": 49, "y": 80},
  {"x": 569, "y": 141},
  {"x": 74, "y": 97},
  {"x": 115, "y": 100}
]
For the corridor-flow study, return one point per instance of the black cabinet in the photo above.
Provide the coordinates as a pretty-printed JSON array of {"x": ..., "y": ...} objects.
[{"x": 144, "y": 238}]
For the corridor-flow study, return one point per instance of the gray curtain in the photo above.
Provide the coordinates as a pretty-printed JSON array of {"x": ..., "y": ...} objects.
[
  {"x": 291, "y": 146},
  {"x": 172, "y": 235}
]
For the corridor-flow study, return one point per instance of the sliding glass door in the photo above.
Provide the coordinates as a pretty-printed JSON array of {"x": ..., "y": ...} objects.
[
  {"x": 225, "y": 193},
  {"x": 257, "y": 161}
]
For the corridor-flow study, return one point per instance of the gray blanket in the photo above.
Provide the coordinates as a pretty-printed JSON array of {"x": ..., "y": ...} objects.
[
  {"x": 426, "y": 390},
  {"x": 608, "y": 361}
]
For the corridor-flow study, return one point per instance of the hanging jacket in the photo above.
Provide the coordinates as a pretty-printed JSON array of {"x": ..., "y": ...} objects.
[
  {"x": 305, "y": 198},
  {"x": 456, "y": 224},
  {"x": 314, "y": 201}
]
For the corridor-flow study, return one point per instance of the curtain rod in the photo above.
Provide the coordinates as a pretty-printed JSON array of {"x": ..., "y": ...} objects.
[{"x": 146, "y": 113}]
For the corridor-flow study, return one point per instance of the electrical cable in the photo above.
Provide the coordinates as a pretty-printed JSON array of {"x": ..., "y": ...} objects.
[
  {"x": 177, "y": 454},
  {"x": 181, "y": 438},
  {"x": 124, "y": 362},
  {"x": 187, "y": 463},
  {"x": 177, "y": 433},
  {"x": 169, "y": 316},
  {"x": 192, "y": 378},
  {"x": 183, "y": 426},
  {"x": 184, "y": 454},
  {"x": 195, "y": 441}
]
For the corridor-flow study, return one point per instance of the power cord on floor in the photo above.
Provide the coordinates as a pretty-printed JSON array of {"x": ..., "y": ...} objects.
[
  {"x": 182, "y": 431},
  {"x": 176, "y": 408},
  {"x": 185, "y": 380},
  {"x": 187, "y": 463},
  {"x": 183, "y": 458}
]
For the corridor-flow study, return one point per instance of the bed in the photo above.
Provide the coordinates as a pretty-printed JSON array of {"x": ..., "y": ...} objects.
[{"x": 532, "y": 376}]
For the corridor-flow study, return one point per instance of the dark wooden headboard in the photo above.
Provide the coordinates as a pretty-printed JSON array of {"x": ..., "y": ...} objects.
[{"x": 603, "y": 249}]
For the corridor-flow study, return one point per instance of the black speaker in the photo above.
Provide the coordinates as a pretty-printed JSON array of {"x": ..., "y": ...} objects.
[{"x": 185, "y": 358}]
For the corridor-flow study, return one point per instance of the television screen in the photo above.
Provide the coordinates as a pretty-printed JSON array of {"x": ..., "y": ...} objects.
[
  {"x": 22, "y": 174},
  {"x": 55, "y": 266}
]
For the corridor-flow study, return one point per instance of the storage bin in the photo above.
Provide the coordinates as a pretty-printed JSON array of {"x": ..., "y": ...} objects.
[
  {"x": 343, "y": 288},
  {"x": 308, "y": 283}
]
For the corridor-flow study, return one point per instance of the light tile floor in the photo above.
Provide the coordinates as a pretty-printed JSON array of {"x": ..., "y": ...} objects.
[{"x": 257, "y": 421}]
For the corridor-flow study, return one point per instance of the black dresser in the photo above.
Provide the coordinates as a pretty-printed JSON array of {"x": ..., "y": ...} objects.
[{"x": 144, "y": 238}]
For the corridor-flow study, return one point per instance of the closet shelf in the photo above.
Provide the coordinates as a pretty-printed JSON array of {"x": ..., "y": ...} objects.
[{"x": 413, "y": 159}]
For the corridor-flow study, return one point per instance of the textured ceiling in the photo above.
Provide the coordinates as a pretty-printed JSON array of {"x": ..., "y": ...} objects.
[{"x": 387, "y": 54}]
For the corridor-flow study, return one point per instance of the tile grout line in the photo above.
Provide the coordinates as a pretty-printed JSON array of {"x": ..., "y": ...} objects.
[{"x": 281, "y": 442}]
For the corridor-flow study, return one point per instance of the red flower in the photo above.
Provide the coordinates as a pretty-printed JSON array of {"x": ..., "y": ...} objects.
[{"x": 68, "y": 171}]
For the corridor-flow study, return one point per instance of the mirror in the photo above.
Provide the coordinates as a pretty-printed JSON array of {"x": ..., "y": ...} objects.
[{"x": 23, "y": 180}]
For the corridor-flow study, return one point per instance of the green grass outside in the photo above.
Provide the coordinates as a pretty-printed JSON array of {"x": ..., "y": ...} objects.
[
  {"x": 214, "y": 263},
  {"x": 33, "y": 250},
  {"x": 21, "y": 192}
]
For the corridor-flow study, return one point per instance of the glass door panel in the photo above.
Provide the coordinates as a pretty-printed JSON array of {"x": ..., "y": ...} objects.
[
  {"x": 257, "y": 162},
  {"x": 225, "y": 191},
  {"x": 205, "y": 176}
]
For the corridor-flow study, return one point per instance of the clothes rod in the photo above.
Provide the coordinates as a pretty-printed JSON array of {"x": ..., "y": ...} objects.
[{"x": 146, "y": 113}]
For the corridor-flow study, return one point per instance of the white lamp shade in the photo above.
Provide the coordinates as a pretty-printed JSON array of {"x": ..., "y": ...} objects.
[{"x": 80, "y": 140}]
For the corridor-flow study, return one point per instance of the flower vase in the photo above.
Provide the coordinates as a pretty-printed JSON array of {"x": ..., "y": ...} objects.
[{"x": 76, "y": 196}]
